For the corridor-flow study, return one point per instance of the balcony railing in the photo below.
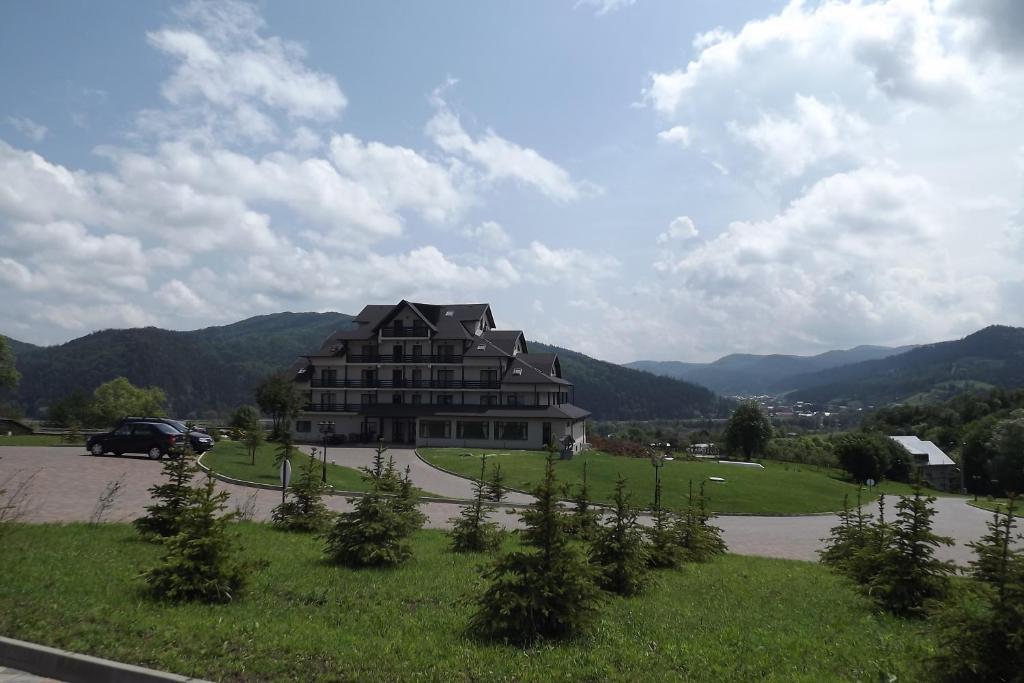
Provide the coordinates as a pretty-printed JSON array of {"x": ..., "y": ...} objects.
[
  {"x": 356, "y": 407},
  {"x": 399, "y": 332},
  {"x": 411, "y": 358},
  {"x": 333, "y": 407},
  {"x": 404, "y": 384}
]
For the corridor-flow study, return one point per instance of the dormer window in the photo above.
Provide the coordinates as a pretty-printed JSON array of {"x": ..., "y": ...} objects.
[
  {"x": 517, "y": 371},
  {"x": 449, "y": 314}
]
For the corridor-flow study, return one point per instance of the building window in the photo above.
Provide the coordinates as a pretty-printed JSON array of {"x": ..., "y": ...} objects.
[
  {"x": 327, "y": 400},
  {"x": 367, "y": 399},
  {"x": 473, "y": 430},
  {"x": 435, "y": 429},
  {"x": 445, "y": 353},
  {"x": 488, "y": 378},
  {"x": 417, "y": 351},
  {"x": 396, "y": 398},
  {"x": 417, "y": 399},
  {"x": 489, "y": 400},
  {"x": 303, "y": 426},
  {"x": 511, "y": 431},
  {"x": 511, "y": 399},
  {"x": 445, "y": 399},
  {"x": 445, "y": 378}
]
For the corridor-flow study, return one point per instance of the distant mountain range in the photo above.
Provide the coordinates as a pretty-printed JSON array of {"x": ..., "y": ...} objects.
[
  {"x": 750, "y": 374},
  {"x": 211, "y": 371},
  {"x": 869, "y": 375}
]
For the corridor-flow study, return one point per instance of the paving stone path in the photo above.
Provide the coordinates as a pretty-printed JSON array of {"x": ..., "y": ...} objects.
[{"x": 65, "y": 483}]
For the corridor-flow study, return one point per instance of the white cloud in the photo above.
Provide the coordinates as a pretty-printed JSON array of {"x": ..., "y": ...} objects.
[
  {"x": 680, "y": 229},
  {"x": 864, "y": 255},
  {"x": 501, "y": 159},
  {"x": 678, "y": 135},
  {"x": 816, "y": 132},
  {"x": 400, "y": 178},
  {"x": 489, "y": 234},
  {"x": 900, "y": 49},
  {"x": 603, "y": 7},
  {"x": 181, "y": 298},
  {"x": 35, "y": 132},
  {"x": 575, "y": 267},
  {"x": 224, "y": 61}
]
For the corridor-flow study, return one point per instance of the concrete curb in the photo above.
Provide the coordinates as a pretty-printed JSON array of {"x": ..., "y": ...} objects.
[
  {"x": 331, "y": 491},
  {"x": 70, "y": 667}
]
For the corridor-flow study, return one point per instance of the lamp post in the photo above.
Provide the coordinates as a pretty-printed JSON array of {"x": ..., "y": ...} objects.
[
  {"x": 326, "y": 428},
  {"x": 658, "y": 461}
]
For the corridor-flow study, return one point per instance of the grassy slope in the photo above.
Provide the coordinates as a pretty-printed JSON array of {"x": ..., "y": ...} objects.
[
  {"x": 779, "y": 488},
  {"x": 232, "y": 459},
  {"x": 737, "y": 619}
]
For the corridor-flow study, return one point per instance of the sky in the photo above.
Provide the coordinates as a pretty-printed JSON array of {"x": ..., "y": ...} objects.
[{"x": 632, "y": 179}]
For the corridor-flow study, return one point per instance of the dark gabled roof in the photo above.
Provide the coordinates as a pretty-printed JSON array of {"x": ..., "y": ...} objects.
[
  {"x": 528, "y": 374},
  {"x": 373, "y": 313},
  {"x": 545, "y": 362},
  {"x": 505, "y": 339},
  {"x": 484, "y": 348}
]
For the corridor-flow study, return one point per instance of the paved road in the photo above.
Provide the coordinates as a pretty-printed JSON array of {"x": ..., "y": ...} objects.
[
  {"x": 8, "y": 675},
  {"x": 64, "y": 485}
]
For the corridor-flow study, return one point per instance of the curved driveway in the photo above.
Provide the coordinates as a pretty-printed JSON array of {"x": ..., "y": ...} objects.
[{"x": 64, "y": 485}]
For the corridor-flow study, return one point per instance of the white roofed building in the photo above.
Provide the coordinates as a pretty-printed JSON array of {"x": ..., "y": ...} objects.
[{"x": 937, "y": 469}]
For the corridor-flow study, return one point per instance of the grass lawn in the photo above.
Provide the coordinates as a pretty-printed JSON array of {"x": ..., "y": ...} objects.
[
  {"x": 737, "y": 619},
  {"x": 231, "y": 458},
  {"x": 986, "y": 504},
  {"x": 36, "y": 440},
  {"x": 780, "y": 488}
]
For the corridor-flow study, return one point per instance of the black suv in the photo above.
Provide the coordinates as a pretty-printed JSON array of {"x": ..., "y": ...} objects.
[
  {"x": 155, "y": 439},
  {"x": 200, "y": 440}
]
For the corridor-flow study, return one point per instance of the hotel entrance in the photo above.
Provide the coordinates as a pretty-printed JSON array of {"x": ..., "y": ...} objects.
[{"x": 403, "y": 430}]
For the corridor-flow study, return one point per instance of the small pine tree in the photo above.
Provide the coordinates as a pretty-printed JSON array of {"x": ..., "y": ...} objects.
[
  {"x": 585, "y": 520},
  {"x": 74, "y": 433},
  {"x": 198, "y": 563},
  {"x": 305, "y": 510},
  {"x": 699, "y": 541},
  {"x": 496, "y": 485},
  {"x": 547, "y": 592},
  {"x": 471, "y": 531},
  {"x": 375, "y": 533},
  {"x": 982, "y": 628},
  {"x": 664, "y": 551},
  {"x": 253, "y": 438},
  {"x": 285, "y": 448},
  {"x": 909, "y": 575},
  {"x": 848, "y": 538},
  {"x": 164, "y": 518},
  {"x": 619, "y": 551},
  {"x": 382, "y": 474}
]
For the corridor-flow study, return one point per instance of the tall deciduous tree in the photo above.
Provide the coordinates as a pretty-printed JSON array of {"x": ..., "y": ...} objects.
[
  {"x": 748, "y": 430},
  {"x": 119, "y": 397},
  {"x": 280, "y": 398},
  {"x": 9, "y": 375},
  {"x": 864, "y": 456}
]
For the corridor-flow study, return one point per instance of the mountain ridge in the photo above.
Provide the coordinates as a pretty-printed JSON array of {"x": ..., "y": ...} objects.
[{"x": 212, "y": 370}]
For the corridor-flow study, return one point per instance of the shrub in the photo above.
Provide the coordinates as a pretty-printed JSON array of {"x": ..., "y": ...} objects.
[
  {"x": 619, "y": 550},
  {"x": 164, "y": 518},
  {"x": 375, "y": 533},
  {"x": 547, "y": 592},
  {"x": 584, "y": 522},
  {"x": 664, "y": 551},
  {"x": 305, "y": 509},
  {"x": 982, "y": 628},
  {"x": 382, "y": 475},
  {"x": 198, "y": 563},
  {"x": 909, "y": 575},
  {"x": 699, "y": 541},
  {"x": 471, "y": 532},
  {"x": 496, "y": 485}
]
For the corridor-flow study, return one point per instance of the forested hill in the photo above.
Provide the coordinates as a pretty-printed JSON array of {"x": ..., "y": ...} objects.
[
  {"x": 613, "y": 391},
  {"x": 211, "y": 371},
  {"x": 992, "y": 357},
  {"x": 203, "y": 372},
  {"x": 744, "y": 373}
]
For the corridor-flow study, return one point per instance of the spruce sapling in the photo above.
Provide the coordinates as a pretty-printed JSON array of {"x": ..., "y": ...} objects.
[
  {"x": 471, "y": 531},
  {"x": 619, "y": 550},
  {"x": 546, "y": 591},
  {"x": 305, "y": 509}
]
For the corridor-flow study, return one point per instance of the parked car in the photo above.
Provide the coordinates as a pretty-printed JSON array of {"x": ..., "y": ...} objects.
[
  {"x": 200, "y": 440},
  {"x": 155, "y": 439}
]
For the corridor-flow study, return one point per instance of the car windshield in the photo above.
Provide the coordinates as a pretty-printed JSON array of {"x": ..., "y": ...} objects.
[{"x": 180, "y": 426}]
